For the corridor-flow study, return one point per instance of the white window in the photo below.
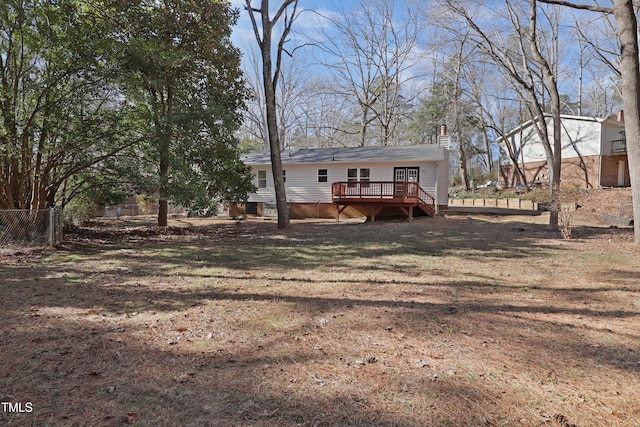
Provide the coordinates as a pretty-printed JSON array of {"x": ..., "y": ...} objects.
[
  {"x": 323, "y": 175},
  {"x": 352, "y": 176},
  {"x": 365, "y": 173},
  {"x": 262, "y": 179}
]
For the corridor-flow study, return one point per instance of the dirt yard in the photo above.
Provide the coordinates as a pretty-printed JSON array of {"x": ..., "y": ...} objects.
[{"x": 450, "y": 321}]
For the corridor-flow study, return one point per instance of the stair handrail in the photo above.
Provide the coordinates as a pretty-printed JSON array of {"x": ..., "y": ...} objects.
[{"x": 426, "y": 198}]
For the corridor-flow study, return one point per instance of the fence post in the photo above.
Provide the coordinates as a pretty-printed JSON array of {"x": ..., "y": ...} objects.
[
  {"x": 52, "y": 235},
  {"x": 59, "y": 229}
]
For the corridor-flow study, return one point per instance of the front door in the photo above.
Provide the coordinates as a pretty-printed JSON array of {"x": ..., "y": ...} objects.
[{"x": 404, "y": 174}]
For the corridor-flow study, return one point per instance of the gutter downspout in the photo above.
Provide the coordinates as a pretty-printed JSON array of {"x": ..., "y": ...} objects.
[
  {"x": 437, "y": 207},
  {"x": 600, "y": 169}
]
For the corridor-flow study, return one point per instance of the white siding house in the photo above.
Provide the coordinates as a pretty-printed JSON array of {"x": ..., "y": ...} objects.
[
  {"x": 309, "y": 174},
  {"x": 593, "y": 152}
]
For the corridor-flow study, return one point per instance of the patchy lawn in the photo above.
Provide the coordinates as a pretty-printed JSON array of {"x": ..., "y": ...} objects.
[{"x": 461, "y": 321}]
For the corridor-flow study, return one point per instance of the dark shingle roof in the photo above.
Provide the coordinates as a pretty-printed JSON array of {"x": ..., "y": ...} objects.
[{"x": 425, "y": 152}]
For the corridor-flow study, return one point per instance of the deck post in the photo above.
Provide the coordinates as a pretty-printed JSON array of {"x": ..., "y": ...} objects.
[{"x": 374, "y": 210}]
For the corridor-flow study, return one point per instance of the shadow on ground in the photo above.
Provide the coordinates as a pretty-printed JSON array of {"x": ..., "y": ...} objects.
[{"x": 222, "y": 326}]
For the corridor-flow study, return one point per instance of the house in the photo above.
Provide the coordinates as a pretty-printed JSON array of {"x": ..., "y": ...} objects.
[
  {"x": 594, "y": 153},
  {"x": 370, "y": 181}
]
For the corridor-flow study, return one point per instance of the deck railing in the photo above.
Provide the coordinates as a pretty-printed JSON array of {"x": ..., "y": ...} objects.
[
  {"x": 403, "y": 191},
  {"x": 619, "y": 146},
  {"x": 426, "y": 198}
]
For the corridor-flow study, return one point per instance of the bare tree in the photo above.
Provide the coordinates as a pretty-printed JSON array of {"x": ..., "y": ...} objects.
[
  {"x": 624, "y": 13},
  {"x": 476, "y": 78},
  {"x": 321, "y": 117},
  {"x": 602, "y": 95},
  {"x": 271, "y": 75},
  {"x": 290, "y": 98},
  {"x": 371, "y": 51},
  {"x": 521, "y": 61},
  {"x": 460, "y": 109},
  {"x": 502, "y": 119},
  {"x": 290, "y": 95},
  {"x": 255, "y": 122},
  {"x": 462, "y": 70}
]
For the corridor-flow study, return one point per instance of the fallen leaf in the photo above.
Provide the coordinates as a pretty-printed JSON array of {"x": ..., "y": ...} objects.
[
  {"x": 131, "y": 417},
  {"x": 563, "y": 421},
  {"x": 186, "y": 377}
]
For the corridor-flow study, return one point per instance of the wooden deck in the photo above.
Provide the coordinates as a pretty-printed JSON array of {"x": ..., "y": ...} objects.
[{"x": 373, "y": 196}]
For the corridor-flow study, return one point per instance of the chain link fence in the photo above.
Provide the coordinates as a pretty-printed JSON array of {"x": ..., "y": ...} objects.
[{"x": 21, "y": 227}]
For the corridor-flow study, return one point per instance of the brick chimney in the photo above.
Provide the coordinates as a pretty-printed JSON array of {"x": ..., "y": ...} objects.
[
  {"x": 443, "y": 138},
  {"x": 620, "y": 116}
]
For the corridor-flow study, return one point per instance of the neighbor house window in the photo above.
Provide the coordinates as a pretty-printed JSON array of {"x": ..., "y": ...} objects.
[
  {"x": 323, "y": 175},
  {"x": 262, "y": 179},
  {"x": 284, "y": 175}
]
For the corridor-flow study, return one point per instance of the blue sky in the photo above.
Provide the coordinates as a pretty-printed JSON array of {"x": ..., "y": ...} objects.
[
  {"x": 243, "y": 36},
  {"x": 306, "y": 29}
]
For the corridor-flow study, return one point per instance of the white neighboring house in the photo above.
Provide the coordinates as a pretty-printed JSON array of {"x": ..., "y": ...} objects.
[
  {"x": 310, "y": 173},
  {"x": 594, "y": 152}
]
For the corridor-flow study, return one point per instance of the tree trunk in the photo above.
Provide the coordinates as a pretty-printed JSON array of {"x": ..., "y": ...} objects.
[
  {"x": 165, "y": 147},
  {"x": 555, "y": 164},
  {"x": 627, "y": 31},
  {"x": 554, "y": 158},
  {"x": 276, "y": 155},
  {"x": 272, "y": 119},
  {"x": 363, "y": 126},
  {"x": 163, "y": 204},
  {"x": 163, "y": 213},
  {"x": 487, "y": 146},
  {"x": 625, "y": 15},
  {"x": 463, "y": 166}
]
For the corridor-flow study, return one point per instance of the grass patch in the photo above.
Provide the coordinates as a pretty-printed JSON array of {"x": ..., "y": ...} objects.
[{"x": 462, "y": 321}]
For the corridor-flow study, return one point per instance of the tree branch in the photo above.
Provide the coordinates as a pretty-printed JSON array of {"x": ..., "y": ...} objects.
[
  {"x": 254, "y": 24},
  {"x": 288, "y": 23},
  {"x": 283, "y": 8},
  {"x": 592, "y": 8}
]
